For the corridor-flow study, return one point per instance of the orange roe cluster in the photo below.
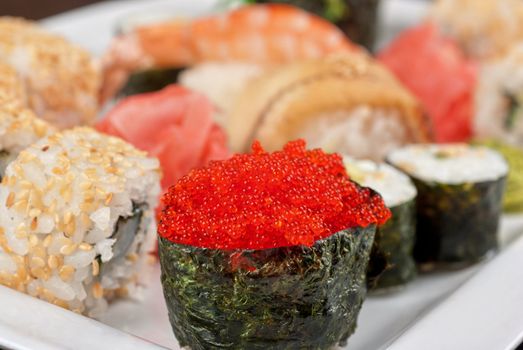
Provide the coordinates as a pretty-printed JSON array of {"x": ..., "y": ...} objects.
[{"x": 267, "y": 200}]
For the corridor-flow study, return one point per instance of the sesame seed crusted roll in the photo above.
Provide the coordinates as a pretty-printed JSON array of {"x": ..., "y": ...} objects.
[
  {"x": 61, "y": 80},
  {"x": 19, "y": 128},
  {"x": 76, "y": 219},
  {"x": 11, "y": 87}
]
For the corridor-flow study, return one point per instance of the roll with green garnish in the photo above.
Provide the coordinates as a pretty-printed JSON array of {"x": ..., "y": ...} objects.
[{"x": 459, "y": 203}]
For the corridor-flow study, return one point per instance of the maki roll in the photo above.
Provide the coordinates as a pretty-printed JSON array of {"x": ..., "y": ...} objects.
[
  {"x": 459, "y": 203},
  {"x": 485, "y": 29},
  {"x": 11, "y": 87},
  {"x": 267, "y": 251},
  {"x": 76, "y": 214},
  {"x": 19, "y": 128},
  {"x": 499, "y": 99},
  {"x": 342, "y": 103},
  {"x": 357, "y": 18},
  {"x": 394, "y": 241},
  {"x": 61, "y": 81}
]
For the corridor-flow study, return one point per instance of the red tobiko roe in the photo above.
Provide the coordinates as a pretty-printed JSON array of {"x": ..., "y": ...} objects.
[{"x": 267, "y": 200}]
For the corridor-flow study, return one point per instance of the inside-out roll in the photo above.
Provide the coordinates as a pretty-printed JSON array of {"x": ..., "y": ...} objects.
[
  {"x": 499, "y": 99},
  {"x": 11, "y": 87},
  {"x": 344, "y": 103},
  {"x": 19, "y": 128},
  {"x": 61, "y": 80},
  {"x": 76, "y": 219},
  {"x": 484, "y": 28}
]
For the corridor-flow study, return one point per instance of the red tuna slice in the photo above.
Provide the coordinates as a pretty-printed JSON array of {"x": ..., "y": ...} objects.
[
  {"x": 173, "y": 124},
  {"x": 437, "y": 72}
]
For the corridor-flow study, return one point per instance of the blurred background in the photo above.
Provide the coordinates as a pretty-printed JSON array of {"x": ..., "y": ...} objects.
[{"x": 37, "y": 9}]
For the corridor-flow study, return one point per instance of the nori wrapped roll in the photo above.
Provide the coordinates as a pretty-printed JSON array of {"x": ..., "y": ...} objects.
[
  {"x": 149, "y": 81},
  {"x": 280, "y": 298},
  {"x": 391, "y": 264},
  {"x": 267, "y": 251},
  {"x": 460, "y": 190},
  {"x": 357, "y": 18}
]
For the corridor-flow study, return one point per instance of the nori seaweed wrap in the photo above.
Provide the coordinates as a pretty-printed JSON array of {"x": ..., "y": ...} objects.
[
  {"x": 280, "y": 298},
  {"x": 391, "y": 264},
  {"x": 459, "y": 203},
  {"x": 253, "y": 256},
  {"x": 149, "y": 81}
]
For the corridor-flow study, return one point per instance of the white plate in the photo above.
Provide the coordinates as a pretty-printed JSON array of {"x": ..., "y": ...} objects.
[{"x": 476, "y": 308}]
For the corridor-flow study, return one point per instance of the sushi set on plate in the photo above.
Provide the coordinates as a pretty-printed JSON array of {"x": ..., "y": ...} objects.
[{"x": 251, "y": 175}]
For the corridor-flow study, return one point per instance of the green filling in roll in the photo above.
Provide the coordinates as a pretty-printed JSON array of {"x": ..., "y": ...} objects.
[{"x": 513, "y": 200}]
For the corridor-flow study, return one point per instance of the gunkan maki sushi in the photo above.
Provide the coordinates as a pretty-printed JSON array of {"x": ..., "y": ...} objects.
[
  {"x": 76, "y": 212},
  {"x": 460, "y": 191},
  {"x": 391, "y": 264},
  {"x": 267, "y": 251}
]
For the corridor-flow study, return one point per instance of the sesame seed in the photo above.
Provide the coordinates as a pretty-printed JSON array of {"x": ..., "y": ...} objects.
[
  {"x": 108, "y": 199},
  {"x": 47, "y": 241},
  {"x": 85, "y": 246},
  {"x": 98, "y": 290},
  {"x": 33, "y": 240},
  {"x": 66, "y": 272},
  {"x": 96, "y": 268},
  {"x": 68, "y": 249},
  {"x": 10, "y": 200},
  {"x": 68, "y": 216},
  {"x": 37, "y": 262},
  {"x": 34, "y": 224},
  {"x": 52, "y": 261}
]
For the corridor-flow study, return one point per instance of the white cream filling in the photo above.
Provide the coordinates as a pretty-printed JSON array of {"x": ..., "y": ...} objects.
[
  {"x": 450, "y": 163},
  {"x": 395, "y": 187}
]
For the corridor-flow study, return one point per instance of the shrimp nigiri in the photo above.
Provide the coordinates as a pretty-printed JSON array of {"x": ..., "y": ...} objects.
[{"x": 264, "y": 34}]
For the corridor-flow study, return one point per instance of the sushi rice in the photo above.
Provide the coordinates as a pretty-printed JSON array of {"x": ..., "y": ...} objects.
[
  {"x": 76, "y": 213},
  {"x": 330, "y": 131},
  {"x": 499, "y": 98},
  {"x": 450, "y": 163}
]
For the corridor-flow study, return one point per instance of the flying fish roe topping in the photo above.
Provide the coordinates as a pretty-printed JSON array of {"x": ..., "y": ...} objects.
[{"x": 266, "y": 200}]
